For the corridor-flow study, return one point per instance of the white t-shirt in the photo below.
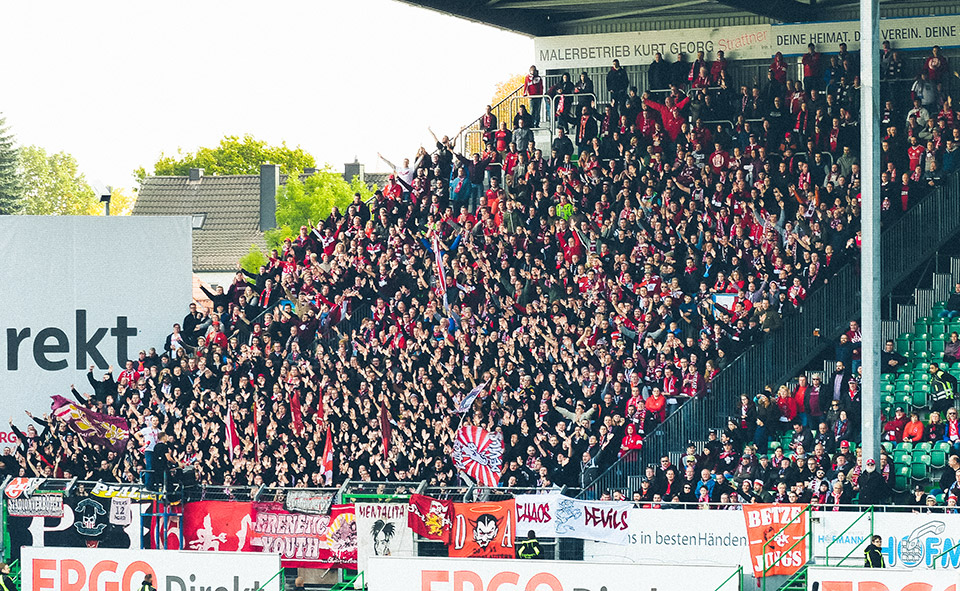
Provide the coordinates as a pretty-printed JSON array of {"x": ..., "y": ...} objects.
[{"x": 151, "y": 436}]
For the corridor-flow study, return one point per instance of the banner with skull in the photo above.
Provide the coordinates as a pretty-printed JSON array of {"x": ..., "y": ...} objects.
[
  {"x": 483, "y": 530},
  {"x": 87, "y": 522},
  {"x": 382, "y": 530}
]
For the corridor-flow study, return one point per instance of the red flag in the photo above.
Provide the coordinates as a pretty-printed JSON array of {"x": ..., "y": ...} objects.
[
  {"x": 326, "y": 462},
  {"x": 385, "y": 428},
  {"x": 296, "y": 413},
  {"x": 431, "y": 518},
  {"x": 256, "y": 431},
  {"x": 233, "y": 439}
]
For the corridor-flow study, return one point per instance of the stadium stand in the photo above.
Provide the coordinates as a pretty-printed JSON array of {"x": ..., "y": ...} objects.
[{"x": 590, "y": 289}]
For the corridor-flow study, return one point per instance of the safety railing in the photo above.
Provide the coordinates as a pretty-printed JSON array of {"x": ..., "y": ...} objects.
[
  {"x": 738, "y": 574},
  {"x": 279, "y": 573},
  {"x": 807, "y": 538},
  {"x": 869, "y": 512},
  {"x": 502, "y": 111},
  {"x": 906, "y": 244},
  {"x": 943, "y": 554}
]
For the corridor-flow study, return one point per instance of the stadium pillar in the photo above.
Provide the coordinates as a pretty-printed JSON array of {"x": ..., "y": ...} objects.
[{"x": 870, "y": 219}]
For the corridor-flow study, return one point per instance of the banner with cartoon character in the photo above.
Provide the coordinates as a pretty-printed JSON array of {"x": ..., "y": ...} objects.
[
  {"x": 431, "y": 518},
  {"x": 218, "y": 526},
  {"x": 306, "y": 540},
  {"x": 483, "y": 530},
  {"x": 382, "y": 530},
  {"x": 85, "y": 523},
  {"x": 557, "y": 516},
  {"x": 775, "y": 534}
]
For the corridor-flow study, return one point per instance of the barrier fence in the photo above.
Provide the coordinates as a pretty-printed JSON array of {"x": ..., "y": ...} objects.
[{"x": 826, "y": 312}]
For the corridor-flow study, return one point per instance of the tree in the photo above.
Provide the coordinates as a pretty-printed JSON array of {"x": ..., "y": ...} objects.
[
  {"x": 505, "y": 88},
  {"x": 253, "y": 260},
  {"x": 234, "y": 155},
  {"x": 53, "y": 185},
  {"x": 10, "y": 189},
  {"x": 301, "y": 202}
]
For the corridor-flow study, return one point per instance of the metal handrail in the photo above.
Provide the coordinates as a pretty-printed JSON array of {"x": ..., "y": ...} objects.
[
  {"x": 808, "y": 536},
  {"x": 264, "y": 585},
  {"x": 800, "y": 574},
  {"x": 944, "y": 553},
  {"x": 832, "y": 542},
  {"x": 737, "y": 573}
]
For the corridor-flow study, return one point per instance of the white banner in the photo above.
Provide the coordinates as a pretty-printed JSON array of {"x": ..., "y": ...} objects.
[
  {"x": 80, "y": 291},
  {"x": 874, "y": 579},
  {"x": 638, "y": 48},
  {"x": 910, "y": 540},
  {"x": 478, "y": 574},
  {"x": 557, "y": 516},
  {"x": 740, "y": 42},
  {"x": 382, "y": 530},
  {"x": 685, "y": 537},
  {"x": 89, "y": 569},
  {"x": 902, "y": 33}
]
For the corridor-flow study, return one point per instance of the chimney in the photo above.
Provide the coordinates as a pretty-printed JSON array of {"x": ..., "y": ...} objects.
[
  {"x": 196, "y": 174},
  {"x": 269, "y": 183},
  {"x": 353, "y": 169}
]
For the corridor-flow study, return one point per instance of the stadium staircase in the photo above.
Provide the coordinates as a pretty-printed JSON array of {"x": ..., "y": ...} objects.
[{"x": 907, "y": 245}]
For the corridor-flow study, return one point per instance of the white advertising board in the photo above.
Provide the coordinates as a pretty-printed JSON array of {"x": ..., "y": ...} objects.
[
  {"x": 679, "y": 537},
  {"x": 558, "y": 516},
  {"x": 903, "y": 33},
  {"x": 910, "y": 540},
  {"x": 90, "y": 569},
  {"x": 874, "y": 579},
  {"x": 80, "y": 291},
  {"x": 739, "y": 42},
  {"x": 638, "y": 48},
  {"x": 480, "y": 574}
]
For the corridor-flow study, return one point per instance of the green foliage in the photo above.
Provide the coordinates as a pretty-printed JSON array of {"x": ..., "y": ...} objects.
[
  {"x": 53, "y": 185},
  {"x": 10, "y": 188},
  {"x": 253, "y": 260},
  {"x": 302, "y": 203},
  {"x": 234, "y": 155}
]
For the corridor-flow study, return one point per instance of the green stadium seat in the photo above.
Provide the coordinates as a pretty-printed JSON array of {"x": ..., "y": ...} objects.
[
  {"x": 921, "y": 325},
  {"x": 938, "y": 459},
  {"x": 886, "y": 378},
  {"x": 926, "y": 446},
  {"x": 940, "y": 498},
  {"x": 904, "y": 399},
  {"x": 919, "y": 399},
  {"x": 772, "y": 447},
  {"x": 917, "y": 455},
  {"x": 901, "y": 480},
  {"x": 938, "y": 326},
  {"x": 942, "y": 446},
  {"x": 920, "y": 470},
  {"x": 905, "y": 446},
  {"x": 954, "y": 326},
  {"x": 937, "y": 309},
  {"x": 888, "y": 387},
  {"x": 901, "y": 457},
  {"x": 904, "y": 342},
  {"x": 887, "y": 446},
  {"x": 936, "y": 348}
]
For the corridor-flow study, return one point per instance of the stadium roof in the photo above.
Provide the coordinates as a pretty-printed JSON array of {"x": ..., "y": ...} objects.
[{"x": 541, "y": 18}]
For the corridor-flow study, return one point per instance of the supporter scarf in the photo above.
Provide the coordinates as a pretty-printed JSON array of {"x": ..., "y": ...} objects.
[
  {"x": 326, "y": 462},
  {"x": 296, "y": 413}
]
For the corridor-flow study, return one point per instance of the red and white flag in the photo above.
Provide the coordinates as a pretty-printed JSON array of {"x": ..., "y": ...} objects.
[
  {"x": 326, "y": 462},
  {"x": 233, "y": 440}
]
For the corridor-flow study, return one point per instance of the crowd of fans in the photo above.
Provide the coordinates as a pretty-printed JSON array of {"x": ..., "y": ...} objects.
[{"x": 590, "y": 287}]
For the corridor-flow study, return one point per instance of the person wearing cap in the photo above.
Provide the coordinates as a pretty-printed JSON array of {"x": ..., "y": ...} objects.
[
  {"x": 873, "y": 488},
  {"x": 893, "y": 429}
]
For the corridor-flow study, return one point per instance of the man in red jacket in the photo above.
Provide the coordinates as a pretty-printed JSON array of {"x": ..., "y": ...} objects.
[
  {"x": 811, "y": 68},
  {"x": 669, "y": 113},
  {"x": 533, "y": 87}
]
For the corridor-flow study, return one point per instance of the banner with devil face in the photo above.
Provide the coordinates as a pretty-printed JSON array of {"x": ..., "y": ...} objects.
[
  {"x": 483, "y": 530},
  {"x": 87, "y": 522}
]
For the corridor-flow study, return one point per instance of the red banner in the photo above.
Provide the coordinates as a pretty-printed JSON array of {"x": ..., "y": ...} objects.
[
  {"x": 775, "y": 534},
  {"x": 483, "y": 530},
  {"x": 224, "y": 526},
  {"x": 430, "y": 518},
  {"x": 306, "y": 540}
]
